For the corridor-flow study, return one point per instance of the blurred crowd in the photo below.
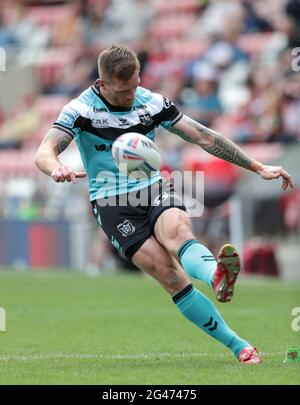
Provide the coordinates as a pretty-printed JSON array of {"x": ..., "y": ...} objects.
[
  {"x": 240, "y": 67},
  {"x": 231, "y": 65}
]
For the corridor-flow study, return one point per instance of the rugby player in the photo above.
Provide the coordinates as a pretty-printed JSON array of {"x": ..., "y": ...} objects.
[{"x": 157, "y": 236}]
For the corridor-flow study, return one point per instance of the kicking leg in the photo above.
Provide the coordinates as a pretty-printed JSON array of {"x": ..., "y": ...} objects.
[
  {"x": 173, "y": 231},
  {"x": 153, "y": 259},
  {"x": 195, "y": 306}
]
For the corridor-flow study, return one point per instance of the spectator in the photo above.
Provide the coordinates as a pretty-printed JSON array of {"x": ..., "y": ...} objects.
[
  {"x": 7, "y": 37},
  {"x": 74, "y": 76},
  {"x": 202, "y": 100},
  {"x": 26, "y": 33},
  {"x": 20, "y": 126},
  {"x": 260, "y": 118},
  {"x": 69, "y": 30}
]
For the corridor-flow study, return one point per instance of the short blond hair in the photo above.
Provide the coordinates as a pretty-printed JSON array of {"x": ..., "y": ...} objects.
[{"x": 117, "y": 62}]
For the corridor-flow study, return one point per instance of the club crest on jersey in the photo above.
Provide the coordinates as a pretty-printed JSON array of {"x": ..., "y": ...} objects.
[
  {"x": 126, "y": 228},
  {"x": 146, "y": 119}
]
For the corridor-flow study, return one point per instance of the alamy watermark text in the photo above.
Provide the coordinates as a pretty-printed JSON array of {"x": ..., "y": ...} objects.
[
  {"x": 296, "y": 321},
  {"x": 2, "y": 320},
  {"x": 2, "y": 60}
]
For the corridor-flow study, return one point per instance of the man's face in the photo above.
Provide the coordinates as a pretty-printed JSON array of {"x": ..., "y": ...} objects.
[{"x": 120, "y": 93}]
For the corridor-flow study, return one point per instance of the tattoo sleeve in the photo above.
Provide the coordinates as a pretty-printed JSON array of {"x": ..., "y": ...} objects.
[
  {"x": 54, "y": 143},
  {"x": 182, "y": 134},
  {"x": 227, "y": 150},
  {"x": 59, "y": 139},
  {"x": 214, "y": 143}
]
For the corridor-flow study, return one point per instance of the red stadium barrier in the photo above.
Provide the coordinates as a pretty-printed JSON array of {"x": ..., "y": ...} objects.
[
  {"x": 40, "y": 247},
  {"x": 35, "y": 245}
]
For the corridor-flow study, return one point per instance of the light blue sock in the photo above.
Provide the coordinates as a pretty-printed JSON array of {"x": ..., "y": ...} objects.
[
  {"x": 197, "y": 261},
  {"x": 196, "y": 307}
]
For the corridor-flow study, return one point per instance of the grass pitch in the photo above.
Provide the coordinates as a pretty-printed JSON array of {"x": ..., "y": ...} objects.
[{"x": 68, "y": 328}]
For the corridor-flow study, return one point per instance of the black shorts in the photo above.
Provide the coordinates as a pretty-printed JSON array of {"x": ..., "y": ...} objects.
[{"x": 128, "y": 219}]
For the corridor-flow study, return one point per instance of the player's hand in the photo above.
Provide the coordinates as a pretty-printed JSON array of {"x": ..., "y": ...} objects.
[
  {"x": 64, "y": 173},
  {"x": 274, "y": 172}
]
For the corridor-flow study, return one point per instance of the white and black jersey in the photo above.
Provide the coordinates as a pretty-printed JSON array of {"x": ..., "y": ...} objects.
[{"x": 95, "y": 124}]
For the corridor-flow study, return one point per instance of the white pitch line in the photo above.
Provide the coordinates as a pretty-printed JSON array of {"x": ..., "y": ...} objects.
[{"x": 139, "y": 356}]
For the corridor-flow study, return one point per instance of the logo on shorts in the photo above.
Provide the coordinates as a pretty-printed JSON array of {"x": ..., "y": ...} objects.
[
  {"x": 126, "y": 228},
  {"x": 160, "y": 198}
]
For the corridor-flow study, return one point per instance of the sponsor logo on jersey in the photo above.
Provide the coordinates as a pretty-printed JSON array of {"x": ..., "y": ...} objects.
[
  {"x": 126, "y": 228},
  {"x": 146, "y": 119},
  {"x": 100, "y": 123},
  {"x": 123, "y": 122},
  {"x": 68, "y": 118},
  {"x": 140, "y": 107},
  {"x": 98, "y": 110},
  {"x": 102, "y": 147}
]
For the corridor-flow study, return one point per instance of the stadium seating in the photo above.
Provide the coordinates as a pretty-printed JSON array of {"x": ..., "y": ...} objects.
[
  {"x": 166, "y": 28},
  {"x": 17, "y": 163},
  {"x": 49, "y": 17},
  {"x": 170, "y": 60},
  {"x": 50, "y": 106},
  {"x": 254, "y": 44},
  {"x": 176, "y": 7},
  {"x": 186, "y": 50},
  {"x": 51, "y": 64}
]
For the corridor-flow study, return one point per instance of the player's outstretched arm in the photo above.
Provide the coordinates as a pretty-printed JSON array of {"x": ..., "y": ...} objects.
[
  {"x": 46, "y": 158},
  {"x": 217, "y": 145}
]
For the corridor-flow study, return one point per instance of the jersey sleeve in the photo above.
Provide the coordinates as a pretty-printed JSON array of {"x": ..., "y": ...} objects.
[
  {"x": 69, "y": 119},
  {"x": 170, "y": 113}
]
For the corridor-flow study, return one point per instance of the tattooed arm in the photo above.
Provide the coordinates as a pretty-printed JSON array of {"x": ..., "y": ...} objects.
[
  {"x": 217, "y": 145},
  {"x": 46, "y": 158}
]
